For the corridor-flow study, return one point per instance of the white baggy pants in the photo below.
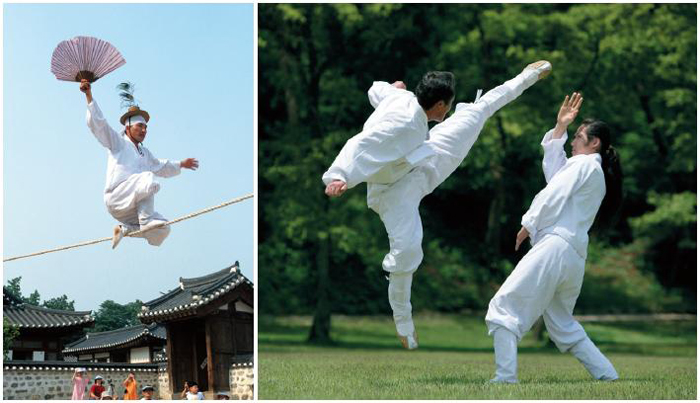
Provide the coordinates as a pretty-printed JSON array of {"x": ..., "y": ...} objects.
[
  {"x": 132, "y": 204},
  {"x": 546, "y": 282},
  {"x": 397, "y": 203}
]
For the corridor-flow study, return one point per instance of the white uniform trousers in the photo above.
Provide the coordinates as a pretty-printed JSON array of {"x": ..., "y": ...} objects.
[
  {"x": 132, "y": 204},
  {"x": 546, "y": 282},
  {"x": 397, "y": 203}
]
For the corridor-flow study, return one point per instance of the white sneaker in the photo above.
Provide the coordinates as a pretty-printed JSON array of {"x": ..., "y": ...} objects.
[
  {"x": 542, "y": 67},
  {"x": 409, "y": 342},
  {"x": 118, "y": 234}
]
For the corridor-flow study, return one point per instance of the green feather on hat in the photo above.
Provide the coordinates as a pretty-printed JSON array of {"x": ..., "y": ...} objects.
[{"x": 128, "y": 101}]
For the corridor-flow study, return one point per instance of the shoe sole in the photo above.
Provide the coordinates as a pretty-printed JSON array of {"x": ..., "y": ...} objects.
[{"x": 539, "y": 64}]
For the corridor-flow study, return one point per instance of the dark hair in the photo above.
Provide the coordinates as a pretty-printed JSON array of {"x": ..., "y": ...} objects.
[
  {"x": 611, "y": 168},
  {"x": 191, "y": 384},
  {"x": 435, "y": 86}
]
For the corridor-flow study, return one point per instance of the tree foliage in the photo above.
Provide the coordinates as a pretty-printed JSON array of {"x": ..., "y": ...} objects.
[
  {"x": 62, "y": 302},
  {"x": 634, "y": 63},
  {"x": 112, "y": 315},
  {"x": 9, "y": 333}
]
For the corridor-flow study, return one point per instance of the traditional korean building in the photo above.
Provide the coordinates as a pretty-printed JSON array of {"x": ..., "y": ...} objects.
[
  {"x": 209, "y": 326},
  {"x": 43, "y": 332},
  {"x": 138, "y": 344}
]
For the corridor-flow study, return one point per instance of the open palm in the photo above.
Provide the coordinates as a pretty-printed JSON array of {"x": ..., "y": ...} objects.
[{"x": 569, "y": 109}]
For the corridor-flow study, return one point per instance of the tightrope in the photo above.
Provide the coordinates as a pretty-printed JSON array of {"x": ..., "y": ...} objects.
[{"x": 136, "y": 233}]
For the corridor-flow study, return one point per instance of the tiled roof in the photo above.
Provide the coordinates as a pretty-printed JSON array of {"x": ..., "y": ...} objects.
[
  {"x": 28, "y": 316},
  {"x": 116, "y": 338},
  {"x": 194, "y": 293}
]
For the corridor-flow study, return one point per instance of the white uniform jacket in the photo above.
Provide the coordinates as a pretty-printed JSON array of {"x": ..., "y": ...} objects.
[
  {"x": 567, "y": 206},
  {"x": 391, "y": 141},
  {"x": 124, "y": 158}
]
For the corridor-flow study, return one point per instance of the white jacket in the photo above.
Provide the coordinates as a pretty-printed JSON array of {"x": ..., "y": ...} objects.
[
  {"x": 124, "y": 158},
  {"x": 391, "y": 141},
  {"x": 567, "y": 206}
]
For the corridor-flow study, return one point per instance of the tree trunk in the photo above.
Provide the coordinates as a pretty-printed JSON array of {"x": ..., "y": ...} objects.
[
  {"x": 320, "y": 332},
  {"x": 321, "y": 327}
]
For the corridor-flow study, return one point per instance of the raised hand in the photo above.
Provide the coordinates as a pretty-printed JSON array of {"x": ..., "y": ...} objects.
[
  {"x": 569, "y": 109},
  {"x": 567, "y": 113},
  {"x": 87, "y": 89}
]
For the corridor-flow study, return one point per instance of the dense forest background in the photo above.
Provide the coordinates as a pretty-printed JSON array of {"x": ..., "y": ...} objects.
[{"x": 635, "y": 65}]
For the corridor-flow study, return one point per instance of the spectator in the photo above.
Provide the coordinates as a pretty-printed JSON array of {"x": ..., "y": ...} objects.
[
  {"x": 130, "y": 385},
  {"x": 80, "y": 381},
  {"x": 191, "y": 392},
  {"x": 147, "y": 393},
  {"x": 97, "y": 389}
]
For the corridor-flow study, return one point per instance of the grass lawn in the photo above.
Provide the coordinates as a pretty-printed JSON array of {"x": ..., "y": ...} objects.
[{"x": 455, "y": 361}]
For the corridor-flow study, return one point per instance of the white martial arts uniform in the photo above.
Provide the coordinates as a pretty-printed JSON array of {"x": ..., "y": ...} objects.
[
  {"x": 130, "y": 186},
  {"x": 384, "y": 150},
  {"x": 547, "y": 281},
  {"x": 416, "y": 175}
]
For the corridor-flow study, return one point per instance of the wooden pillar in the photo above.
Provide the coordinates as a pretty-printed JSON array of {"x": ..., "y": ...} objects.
[
  {"x": 234, "y": 328},
  {"x": 210, "y": 357},
  {"x": 169, "y": 352}
]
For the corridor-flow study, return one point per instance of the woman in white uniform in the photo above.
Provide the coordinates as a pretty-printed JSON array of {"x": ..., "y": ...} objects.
[{"x": 547, "y": 281}]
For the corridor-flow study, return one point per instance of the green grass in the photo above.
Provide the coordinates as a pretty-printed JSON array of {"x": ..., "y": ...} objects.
[{"x": 455, "y": 361}]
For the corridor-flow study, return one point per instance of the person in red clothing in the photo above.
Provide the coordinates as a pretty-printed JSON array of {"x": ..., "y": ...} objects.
[{"x": 97, "y": 389}]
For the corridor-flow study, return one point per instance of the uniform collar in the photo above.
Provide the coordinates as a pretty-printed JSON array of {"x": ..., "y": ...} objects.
[
  {"x": 595, "y": 156},
  {"x": 420, "y": 114}
]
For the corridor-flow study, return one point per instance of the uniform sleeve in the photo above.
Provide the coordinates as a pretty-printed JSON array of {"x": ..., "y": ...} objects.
[
  {"x": 380, "y": 90},
  {"x": 554, "y": 155},
  {"x": 162, "y": 167},
  {"x": 368, "y": 152},
  {"x": 548, "y": 205},
  {"x": 102, "y": 131}
]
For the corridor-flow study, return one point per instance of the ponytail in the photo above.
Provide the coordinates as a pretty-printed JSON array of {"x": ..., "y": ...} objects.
[{"x": 612, "y": 170}]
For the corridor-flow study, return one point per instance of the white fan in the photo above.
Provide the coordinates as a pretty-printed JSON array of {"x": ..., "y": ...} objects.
[{"x": 84, "y": 57}]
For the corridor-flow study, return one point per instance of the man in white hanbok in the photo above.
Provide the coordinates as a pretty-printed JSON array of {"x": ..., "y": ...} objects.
[
  {"x": 547, "y": 281},
  {"x": 395, "y": 194},
  {"x": 131, "y": 170}
]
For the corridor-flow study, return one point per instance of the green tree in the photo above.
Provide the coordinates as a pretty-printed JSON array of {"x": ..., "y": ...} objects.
[
  {"x": 635, "y": 65},
  {"x": 9, "y": 333},
  {"x": 112, "y": 315},
  {"x": 61, "y": 303}
]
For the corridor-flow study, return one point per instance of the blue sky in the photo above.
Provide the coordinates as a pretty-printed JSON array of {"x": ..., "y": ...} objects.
[{"x": 193, "y": 70}]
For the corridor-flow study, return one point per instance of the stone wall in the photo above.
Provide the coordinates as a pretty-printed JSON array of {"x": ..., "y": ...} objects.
[
  {"x": 242, "y": 381},
  {"x": 52, "y": 380}
]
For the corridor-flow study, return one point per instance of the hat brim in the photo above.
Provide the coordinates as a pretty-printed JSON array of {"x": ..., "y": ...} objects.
[{"x": 134, "y": 113}]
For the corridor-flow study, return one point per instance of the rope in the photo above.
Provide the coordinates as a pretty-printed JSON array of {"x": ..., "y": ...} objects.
[{"x": 135, "y": 233}]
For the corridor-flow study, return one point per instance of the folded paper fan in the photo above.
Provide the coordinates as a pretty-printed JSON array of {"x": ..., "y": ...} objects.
[{"x": 84, "y": 57}]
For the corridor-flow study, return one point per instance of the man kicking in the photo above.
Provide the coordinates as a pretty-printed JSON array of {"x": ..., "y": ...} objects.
[
  {"x": 131, "y": 170},
  {"x": 547, "y": 281},
  {"x": 396, "y": 196}
]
